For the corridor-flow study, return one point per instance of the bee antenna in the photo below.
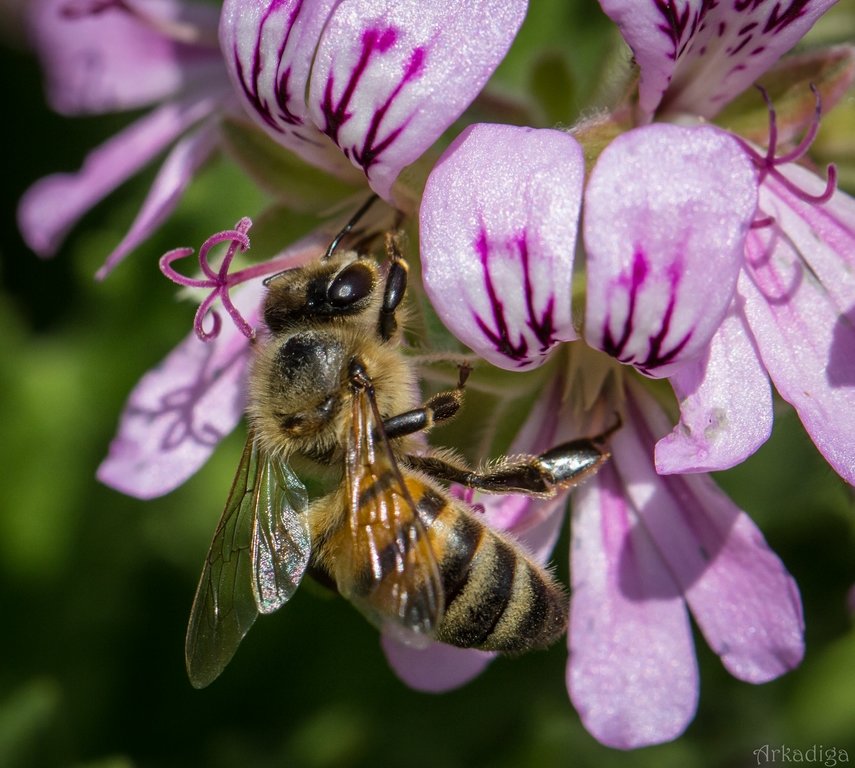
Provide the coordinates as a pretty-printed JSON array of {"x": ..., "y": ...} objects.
[
  {"x": 338, "y": 238},
  {"x": 349, "y": 226}
]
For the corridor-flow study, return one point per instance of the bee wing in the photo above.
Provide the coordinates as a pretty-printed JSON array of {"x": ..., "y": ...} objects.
[
  {"x": 391, "y": 572},
  {"x": 258, "y": 555}
]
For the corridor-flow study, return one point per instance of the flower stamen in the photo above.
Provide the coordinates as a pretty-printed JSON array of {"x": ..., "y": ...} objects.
[
  {"x": 769, "y": 163},
  {"x": 220, "y": 281}
]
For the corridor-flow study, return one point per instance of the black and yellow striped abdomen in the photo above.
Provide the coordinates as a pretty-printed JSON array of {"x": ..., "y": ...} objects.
[
  {"x": 426, "y": 562},
  {"x": 496, "y": 597}
]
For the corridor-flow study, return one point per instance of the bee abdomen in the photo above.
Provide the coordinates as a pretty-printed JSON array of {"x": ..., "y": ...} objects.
[{"x": 496, "y": 598}]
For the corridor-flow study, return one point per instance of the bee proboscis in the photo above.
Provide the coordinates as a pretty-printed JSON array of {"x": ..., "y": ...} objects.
[{"x": 331, "y": 386}]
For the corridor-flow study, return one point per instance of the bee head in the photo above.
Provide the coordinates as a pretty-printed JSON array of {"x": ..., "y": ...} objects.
[{"x": 341, "y": 286}]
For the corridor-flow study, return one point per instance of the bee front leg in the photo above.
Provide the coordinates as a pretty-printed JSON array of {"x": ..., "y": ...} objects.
[
  {"x": 396, "y": 287},
  {"x": 557, "y": 469},
  {"x": 441, "y": 407}
]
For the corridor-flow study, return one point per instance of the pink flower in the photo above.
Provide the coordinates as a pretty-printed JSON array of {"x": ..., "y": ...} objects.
[
  {"x": 707, "y": 262},
  {"x": 113, "y": 55},
  {"x": 794, "y": 293}
]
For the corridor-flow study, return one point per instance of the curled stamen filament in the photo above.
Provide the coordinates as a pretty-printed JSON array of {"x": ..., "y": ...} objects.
[
  {"x": 220, "y": 281},
  {"x": 769, "y": 163}
]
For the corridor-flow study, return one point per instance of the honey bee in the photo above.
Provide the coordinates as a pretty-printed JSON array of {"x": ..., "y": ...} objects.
[{"x": 331, "y": 387}]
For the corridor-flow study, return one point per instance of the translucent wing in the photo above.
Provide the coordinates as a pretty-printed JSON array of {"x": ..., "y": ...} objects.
[
  {"x": 257, "y": 558},
  {"x": 390, "y": 571}
]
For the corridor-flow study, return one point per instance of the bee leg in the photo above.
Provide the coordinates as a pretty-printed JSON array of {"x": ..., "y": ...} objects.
[
  {"x": 557, "y": 469},
  {"x": 440, "y": 407},
  {"x": 396, "y": 287}
]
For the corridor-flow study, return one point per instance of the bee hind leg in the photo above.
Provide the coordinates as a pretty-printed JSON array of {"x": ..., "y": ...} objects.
[{"x": 557, "y": 469}]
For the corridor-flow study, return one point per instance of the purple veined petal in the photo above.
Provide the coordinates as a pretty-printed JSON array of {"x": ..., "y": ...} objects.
[
  {"x": 436, "y": 668},
  {"x": 391, "y": 76},
  {"x": 177, "y": 171},
  {"x": 51, "y": 207},
  {"x": 667, "y": 209},
  {"x": 498, "y": 225},
  {"x": 269, "y": 47},
  {"x": 799, "y": 290},
  {"x": 743, "y": 599},
  {"x": 655, "y": 34},
  {"x": 631, "y": 673},
  {"x": 110, "y": 61},
  {"x": 725, "y": 405},
  {"x": 730, "y": 46},
  {"x": 695, "y": 56},
  {"x": 180, "y": 410}
]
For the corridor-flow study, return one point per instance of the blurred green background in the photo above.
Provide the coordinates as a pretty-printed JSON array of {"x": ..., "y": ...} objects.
[{"x": 95, "y": 588}]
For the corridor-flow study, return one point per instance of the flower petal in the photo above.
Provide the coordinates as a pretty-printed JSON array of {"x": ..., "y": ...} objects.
[
  {"x": 498, "y": 231},
  {"x": 437, "y": 667},
  {"x": 51, "y": 207},
  {"x": 109, "y": 60},
  {"x": 177, "y": 171},
  {"x": 733, "y": 44},
  {"x": 695, "y": 56},
  {"x": 269, "y": 48},
  {"x": 741, "y": 596},
  {"x": 631, "y": 674},
  {"x": 667, "y": 209},
  {"x": 725, "y": 405},
  {"x": 653, "y": 32},
  {"x": 391, "y": 76},
  {"x": 799, "y": 289},
  {"x": 181, "y": 409}
]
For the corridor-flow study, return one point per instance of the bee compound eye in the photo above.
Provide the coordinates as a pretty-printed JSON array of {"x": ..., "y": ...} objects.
[{"x": 352, "y": 284}]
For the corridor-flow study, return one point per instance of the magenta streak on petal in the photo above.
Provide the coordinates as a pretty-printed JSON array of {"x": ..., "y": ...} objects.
[
  {"x": 282, "y": 99},
  {"x": 337, "y": 115},
  {"x": 251, "y": 89},
  {"x": 674, "y": 25},
  {"x": 367, "y": 156},
  {"x": 500, "y": 338},
  {"x": 639, "y": 273},
  {"x": 733, "y": 51},
  {"x": 776, "y": 23},
  {"x": 654, "y": 358},
  {"x": 543, "y": 327}
]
